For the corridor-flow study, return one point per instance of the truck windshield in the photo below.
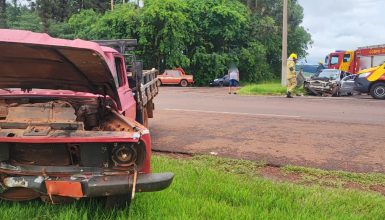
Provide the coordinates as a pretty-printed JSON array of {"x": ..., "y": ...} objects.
[
  {"x": 334, "y": 60},
  {"x": 330, "y": 74}
]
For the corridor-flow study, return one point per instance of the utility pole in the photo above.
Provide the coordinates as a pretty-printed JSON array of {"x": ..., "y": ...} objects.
[
  {"x": 284, "y": 44},
  {"x": 112, "y": 5}
]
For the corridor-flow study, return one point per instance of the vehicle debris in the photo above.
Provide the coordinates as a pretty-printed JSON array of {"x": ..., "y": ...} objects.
[{"x": 330, "y": 82}]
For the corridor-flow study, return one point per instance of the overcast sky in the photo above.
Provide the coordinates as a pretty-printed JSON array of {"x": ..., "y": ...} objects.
[{"x": 343, "y": 25}]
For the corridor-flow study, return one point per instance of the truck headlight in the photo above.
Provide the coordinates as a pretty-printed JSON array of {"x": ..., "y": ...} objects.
[
  {"x": 363, "y": 75},
  {"x": 125, "y": 155}
]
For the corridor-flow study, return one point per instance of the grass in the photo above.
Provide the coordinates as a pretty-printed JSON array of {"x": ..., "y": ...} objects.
[
  {"x": 270, "y": 88},
  {"x": 207, "y": 187},
  {"x": 337, "y": 178}
]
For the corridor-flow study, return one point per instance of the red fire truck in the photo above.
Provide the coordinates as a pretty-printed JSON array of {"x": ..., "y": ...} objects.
[{"x": 355, "y": 61}]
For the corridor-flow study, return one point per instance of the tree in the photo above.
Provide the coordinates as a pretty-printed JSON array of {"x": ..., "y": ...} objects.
[
  {"x": 164, "y": 33},
  {"x": 122, "y": 22},
  {"x": 82, "y": 24},
  {"x": 3, "y": 14},
  {"x": 45, "y": 10}
]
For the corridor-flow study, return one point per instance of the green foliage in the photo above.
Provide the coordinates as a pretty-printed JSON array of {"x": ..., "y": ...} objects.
[
  {"x": 121, "y": 23},
  {"x": 3, "y": 14},
  {"x": 164, "y": 33},
  {"x": 83, "y": 23},
  {"x": 23, "y": 19}
]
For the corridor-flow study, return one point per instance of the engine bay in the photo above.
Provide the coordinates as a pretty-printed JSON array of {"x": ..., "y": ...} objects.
[
  {"x": 86, "y": 130},
  {"x": 39, "y": 116}
]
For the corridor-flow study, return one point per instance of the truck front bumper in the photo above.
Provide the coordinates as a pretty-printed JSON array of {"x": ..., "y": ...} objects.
[
  {"x": 88, "y": 184},
  {"x": 361, "y": 84}
]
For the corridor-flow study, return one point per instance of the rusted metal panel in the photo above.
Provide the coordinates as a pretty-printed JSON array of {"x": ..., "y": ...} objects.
[
  {"x": 64, "y": 188},
  {"x": 40, "y": 154},
  {"x": 19, "y": 194}
]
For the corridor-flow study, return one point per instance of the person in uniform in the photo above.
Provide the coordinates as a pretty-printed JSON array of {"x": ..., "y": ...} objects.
[
  {"x": 320, "y": 67},
  {"x": 291, "y": 75}
]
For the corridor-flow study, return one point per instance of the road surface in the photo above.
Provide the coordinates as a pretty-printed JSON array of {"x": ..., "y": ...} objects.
[{"x": 330, "y": 133}]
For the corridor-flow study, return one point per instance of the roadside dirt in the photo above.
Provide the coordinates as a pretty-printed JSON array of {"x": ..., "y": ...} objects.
[{"x": 278, "y": 141}]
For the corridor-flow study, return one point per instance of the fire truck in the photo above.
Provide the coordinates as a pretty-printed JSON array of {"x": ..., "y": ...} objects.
[
  {"x": 355, "y": 61},
  {"x": 368, "y": 63}
]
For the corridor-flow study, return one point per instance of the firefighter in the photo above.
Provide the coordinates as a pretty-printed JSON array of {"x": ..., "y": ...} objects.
[
  {"x": 291, "y": 75},
  {"x": 320, "y": 67}
]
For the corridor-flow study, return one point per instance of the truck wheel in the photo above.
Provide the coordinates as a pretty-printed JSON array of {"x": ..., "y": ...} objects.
[
  {"x": 183, "y": 83},
  {"x": 118, "y": 201},
  {"x": 377, "y": 91}
]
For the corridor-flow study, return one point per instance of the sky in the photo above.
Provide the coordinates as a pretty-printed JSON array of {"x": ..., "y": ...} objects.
[{"x": 342, "y": 25}]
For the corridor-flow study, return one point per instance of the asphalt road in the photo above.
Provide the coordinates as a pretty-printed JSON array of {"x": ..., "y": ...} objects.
[{"x": 331, "y": 133}]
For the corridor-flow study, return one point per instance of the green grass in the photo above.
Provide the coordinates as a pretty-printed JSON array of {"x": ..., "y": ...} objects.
[
  {"x": 208, "y": 187},
  {"x": 337, "y": 178},
  {"x": 272, "y": 88}
]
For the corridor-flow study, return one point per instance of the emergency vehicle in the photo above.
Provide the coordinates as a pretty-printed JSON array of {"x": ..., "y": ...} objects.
[{"x": 355, "y": 61}]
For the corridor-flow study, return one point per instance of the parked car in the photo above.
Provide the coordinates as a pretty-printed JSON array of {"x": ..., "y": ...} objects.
[
  {"x": 68, "y": 122},
  {"x": 175, "y": 77},
  {"x": 222, "y": 81},
  {"x": 330, "y": 82},
  {"x": 372, "y": 81}
]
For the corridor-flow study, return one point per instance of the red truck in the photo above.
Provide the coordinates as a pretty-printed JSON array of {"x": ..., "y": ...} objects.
[
  {"x": 71, "y": 122},
  {"x": 355, "y": 61},
  {"x": 176, "y": 77}
]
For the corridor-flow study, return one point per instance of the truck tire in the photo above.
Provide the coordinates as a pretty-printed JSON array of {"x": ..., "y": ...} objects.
[
  {"x": 377, "y": 90},
  {"x": 183, "y": 83}
]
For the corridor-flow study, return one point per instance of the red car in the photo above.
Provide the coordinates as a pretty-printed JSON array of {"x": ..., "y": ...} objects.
[
  {"x": 67, "y": 123},
  {"x": 176, "y": 77}
]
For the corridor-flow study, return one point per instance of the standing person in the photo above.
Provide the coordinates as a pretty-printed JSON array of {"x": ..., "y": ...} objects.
[
  {"x": 291, "y": 75},
  {"x": 233, "y": 76},
  {"x": 320, "y": 67}
]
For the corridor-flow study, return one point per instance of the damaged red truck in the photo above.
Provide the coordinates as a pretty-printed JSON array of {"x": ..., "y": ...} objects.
[{"x": 71, "y": 122}]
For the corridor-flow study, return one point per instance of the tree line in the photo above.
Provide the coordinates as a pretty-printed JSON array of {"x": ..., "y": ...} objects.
[{"x": 202, "y": 36}]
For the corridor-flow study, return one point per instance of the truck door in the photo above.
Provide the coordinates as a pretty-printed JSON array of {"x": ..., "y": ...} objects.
[
  {"x": 346, "y": 64},
  {"x": 335, "y": 61},
  {"x": 125, "y": 93}
]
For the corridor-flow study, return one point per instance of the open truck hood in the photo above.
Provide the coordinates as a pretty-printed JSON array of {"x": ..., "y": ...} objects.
[{"x": 32, "y": 60}]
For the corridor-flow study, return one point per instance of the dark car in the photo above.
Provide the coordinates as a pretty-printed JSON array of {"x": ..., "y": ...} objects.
[
  {"x": 330, "y": 82},
  {"x": 222, "y": 81}
]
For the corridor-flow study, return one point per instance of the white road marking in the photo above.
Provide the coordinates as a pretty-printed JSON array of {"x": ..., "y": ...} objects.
[{"x": 232, "y": 113}]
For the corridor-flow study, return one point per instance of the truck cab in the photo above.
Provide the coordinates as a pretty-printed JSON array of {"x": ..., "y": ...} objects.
[{"x": 342, "y": 60}]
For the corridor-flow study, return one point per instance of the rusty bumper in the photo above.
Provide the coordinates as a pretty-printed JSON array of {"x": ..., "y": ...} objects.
[{"x": 89, "y": 185}]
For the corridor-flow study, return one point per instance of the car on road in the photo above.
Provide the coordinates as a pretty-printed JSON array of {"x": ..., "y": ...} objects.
[
  {"x": 372, "y": 81},
  {"x": 330, "y": 82},
  {"x": 69, "y": 122},
  {"x": 175, "y": 77},
  {"x": 222, "y": 81}
]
